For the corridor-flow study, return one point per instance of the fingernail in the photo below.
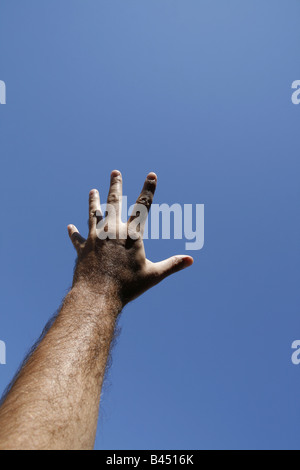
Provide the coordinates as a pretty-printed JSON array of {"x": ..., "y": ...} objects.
[
  {"x": 152, "y": 176},
  {"x": 115, "y": 173}
]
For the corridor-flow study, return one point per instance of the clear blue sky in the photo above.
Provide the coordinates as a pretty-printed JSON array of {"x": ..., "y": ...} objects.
[{"x": 198, "y": 91}]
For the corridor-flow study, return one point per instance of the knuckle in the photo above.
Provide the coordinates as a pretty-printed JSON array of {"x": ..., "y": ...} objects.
[
  {"x": 92, "y": 214},
  {"x": 151, "y": 184},
  {"x": 116, "y": 179},
  {"x": 113, "y": 198},
  {"x": 145, "y": 200}
]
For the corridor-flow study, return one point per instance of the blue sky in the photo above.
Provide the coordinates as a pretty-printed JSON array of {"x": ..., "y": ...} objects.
[{"x": 198, "y": 91}]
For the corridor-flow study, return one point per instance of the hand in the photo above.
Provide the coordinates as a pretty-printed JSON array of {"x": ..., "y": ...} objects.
[{"x": 119, "y": 266}]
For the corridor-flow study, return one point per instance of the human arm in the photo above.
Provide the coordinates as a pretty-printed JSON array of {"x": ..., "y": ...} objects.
[{"x": 54, "y": 401}]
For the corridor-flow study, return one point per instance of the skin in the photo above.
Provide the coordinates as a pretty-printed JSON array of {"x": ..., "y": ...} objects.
[{"x": 54, "y": 402}]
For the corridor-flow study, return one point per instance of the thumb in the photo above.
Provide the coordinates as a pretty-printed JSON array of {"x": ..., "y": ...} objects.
[{"x": 172, "y": 265}]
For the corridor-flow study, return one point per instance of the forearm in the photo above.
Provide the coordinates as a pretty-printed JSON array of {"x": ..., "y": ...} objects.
[{"x": 55, "y": 400}]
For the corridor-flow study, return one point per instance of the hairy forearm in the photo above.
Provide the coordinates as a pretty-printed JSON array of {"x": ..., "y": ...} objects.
[
  {"x": 55, "y": 399},
  {"x": 54, "y": 402}
]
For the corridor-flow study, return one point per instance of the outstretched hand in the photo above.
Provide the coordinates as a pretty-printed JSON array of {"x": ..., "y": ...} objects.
[{"x": 119, "y": 263}]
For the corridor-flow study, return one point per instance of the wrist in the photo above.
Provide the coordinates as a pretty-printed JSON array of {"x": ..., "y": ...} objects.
[{"x": 96, "y": 299}]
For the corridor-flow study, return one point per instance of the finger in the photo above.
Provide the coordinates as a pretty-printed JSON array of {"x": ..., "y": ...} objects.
[
  {"x": 115, "y": 192},
  {"x": 171, "y": 265},
  {"x": 94, "y": 211},
  {"x": 77, "y": 240},
  {"x": 145, "y": 199}
]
